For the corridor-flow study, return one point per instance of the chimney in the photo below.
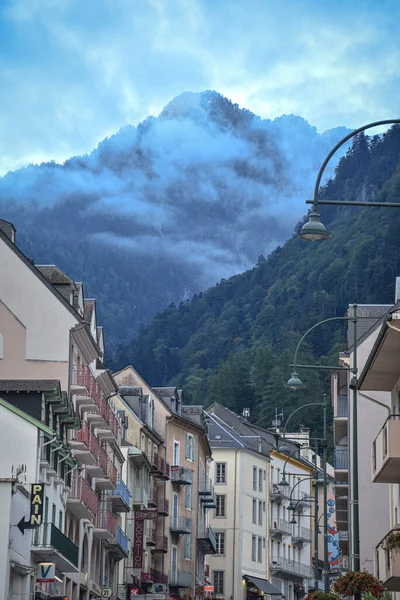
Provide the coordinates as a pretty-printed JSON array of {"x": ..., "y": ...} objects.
[
  {"x": 397, "y": 291},
  {"x": 8, "y": 229}
]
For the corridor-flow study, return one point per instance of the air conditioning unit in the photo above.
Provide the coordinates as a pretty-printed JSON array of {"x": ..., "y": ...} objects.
[{"x": 158, "y": 588}]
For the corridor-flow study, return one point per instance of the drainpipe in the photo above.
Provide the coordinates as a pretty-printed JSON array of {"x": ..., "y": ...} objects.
[{"x": 375, "y": 401}]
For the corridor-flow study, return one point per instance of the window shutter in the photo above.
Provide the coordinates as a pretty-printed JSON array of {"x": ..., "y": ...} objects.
[{"x": 187, "y": 446}]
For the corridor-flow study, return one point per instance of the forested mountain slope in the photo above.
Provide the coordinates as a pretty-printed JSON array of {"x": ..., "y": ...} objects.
[
  {"x": 233, "y": 344},
  {"x": 160, "y": 211}
]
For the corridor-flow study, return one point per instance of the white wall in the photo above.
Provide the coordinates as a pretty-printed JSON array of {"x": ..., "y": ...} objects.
[
  {"x": 374, "y": 497},
  {"x": 46, "y": 320}
]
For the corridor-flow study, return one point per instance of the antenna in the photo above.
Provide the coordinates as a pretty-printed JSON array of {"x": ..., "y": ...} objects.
[{"x": 278, "y": 418}]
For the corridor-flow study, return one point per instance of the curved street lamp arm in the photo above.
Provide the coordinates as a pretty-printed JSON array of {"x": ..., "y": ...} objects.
[
  {"x": 343, "y": 141},
  {"x": 311, "y": 329},
  {"x": 290, "y": 416}
]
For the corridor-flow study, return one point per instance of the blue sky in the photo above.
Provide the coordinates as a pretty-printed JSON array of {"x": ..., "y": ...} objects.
[{"x": 74, "y": 71}]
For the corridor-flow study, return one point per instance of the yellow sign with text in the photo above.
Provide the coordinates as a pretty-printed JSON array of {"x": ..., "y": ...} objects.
[{"x": 37, "y": 495}]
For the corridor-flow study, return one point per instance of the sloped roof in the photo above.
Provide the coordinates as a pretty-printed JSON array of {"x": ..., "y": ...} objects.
[
  {"x": 54, "y": 275},
  {"x": 370, "y": 316},
  {"x": 165, "y": 392},
  {"x": 29, "y": 385}
]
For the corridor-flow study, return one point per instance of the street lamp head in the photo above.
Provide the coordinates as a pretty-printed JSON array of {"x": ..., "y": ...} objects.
[
  {"x": 295, "y": 383},
  {"x": 314, "y": 230},
  {"x": 284, "y": 449},
  {"x": 290, "y": 506},
  {"x": 283, "y": 482},
  {"x": 293, "y": 521}
]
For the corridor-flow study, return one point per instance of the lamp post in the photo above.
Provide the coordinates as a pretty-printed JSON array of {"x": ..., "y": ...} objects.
[
  {"x": 314, "y": 230},
  {"x": 295, "y": 383}
]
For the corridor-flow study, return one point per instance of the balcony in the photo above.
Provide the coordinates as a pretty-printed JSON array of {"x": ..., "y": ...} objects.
[
  {"x": 302, "y": 504},
  {"x": 206, "y": 540},
  {"x": 180, "y": 579},
  {"x": 342, "y": 407},
  {"x": 207, "y": 493},
  {"x": 105, "y": 525},
  {"x": 107, "y": 429},
  {"x": 284, "y": 566},
  {"x": 119, "y": 546},
  {"x": 343, "y": 536},
  {"x": 165, "y": 470},
  {"x": 160, "y": 546},
  {"x": 181, "y": 476},
  {"x": 181, "y": 525},
  {"x": 386, "y": 452},
  {"x": 278, "y": 493},
  {"x": 85, "y": 445},
  {"x": 82, "y": 501},
  {"x": 158, "y": 576},
  {"x": 344, "y": 563},
  {"x": 388, "y": 565},
  {"x": 301, "y": 536},
  {"x": 341, "y": 459},
  {"x": 121, "y": 498},
  {"x": 280, "y": 528},
  {"x": 107, "y": 478},
  {"x": 163, "y": 507},
  {"x": 138, "y": 456},
  {"x": 51, "y": 545},
  {"x": 153, "y": 502},
  {"x": 151, "y": 536},
  {"x": 84, "y": 387}
]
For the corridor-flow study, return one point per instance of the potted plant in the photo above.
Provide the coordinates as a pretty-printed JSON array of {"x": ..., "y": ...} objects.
[{"x": 358, "y": 583}]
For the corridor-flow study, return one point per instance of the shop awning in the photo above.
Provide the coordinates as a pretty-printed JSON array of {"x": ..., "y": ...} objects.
[{"x": 264, "y": 585}]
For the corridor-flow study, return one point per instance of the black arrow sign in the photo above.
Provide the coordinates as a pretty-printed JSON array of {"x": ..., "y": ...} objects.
[{"x": 22, "y": 525}]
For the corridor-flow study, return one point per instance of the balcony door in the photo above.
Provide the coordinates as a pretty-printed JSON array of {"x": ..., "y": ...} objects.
[
  {"x": 175, "y": 509},
  {"x": 174, "y": 563},
  {"x": 176, "y": 457}
]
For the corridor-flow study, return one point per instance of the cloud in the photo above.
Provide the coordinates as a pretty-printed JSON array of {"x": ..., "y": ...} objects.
[{"x": 74, "y": 71}]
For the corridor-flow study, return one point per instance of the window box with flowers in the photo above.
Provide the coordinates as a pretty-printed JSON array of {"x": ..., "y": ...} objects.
[
  {"x": 393, "y": 542},
  {"x": 322, "y": 596}
]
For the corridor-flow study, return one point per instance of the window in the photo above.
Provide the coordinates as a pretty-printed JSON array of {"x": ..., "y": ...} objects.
[
  {"x": 259, "y": 549},
  {"x": 218, "y": 582},
  {"x": 149, "y": 445},
  {"x": 263, "y": 506},
  {"x": 188, "y": 546},
  {"x": 189, "y": 447},
  {"x": 253, "y": 548},
  {"x": 255, "y": 479},
  {"x": 220, "y": 539},
  {"x": 176, "y": 453},
  {"x": 143, "y": 443},
  {"x": 189, "y": 497},
  {"x": 60, "y": 520},
  {"x": 260, "y": 480},
  {"x": 254, "y": 511},
  {"x": 265, "y": 475},
  {"x": 220, "y": 475},
  {"x": 260, "y": 512},
  {"x": 220, "y": 510},
  {"x": 264, "y": 543}
]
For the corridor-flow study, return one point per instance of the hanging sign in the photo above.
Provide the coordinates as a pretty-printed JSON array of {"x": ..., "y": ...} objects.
[
  {"x": 146, "y": 515},
  {"x": 46, "y": 573},
  {"x": 138, "y": 544},
  {"x": 36, "y": 512}
]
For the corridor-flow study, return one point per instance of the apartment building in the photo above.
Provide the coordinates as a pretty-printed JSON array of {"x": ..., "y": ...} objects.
[
  {"x": 381, "y": 377},
  {"x": 178, "y": 484},
  {"x": 372, "y": 409},
  {"x": 51, "y": 369},
  {"x": 267, "y": 554}
]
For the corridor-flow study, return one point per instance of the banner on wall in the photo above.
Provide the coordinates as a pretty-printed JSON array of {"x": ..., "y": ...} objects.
[
  {"x": 138, "y": 544},
  {"x": 333, "y": 535}
]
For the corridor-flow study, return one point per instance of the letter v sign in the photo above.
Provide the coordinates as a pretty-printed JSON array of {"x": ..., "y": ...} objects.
[{"x": 46, "y": 572}]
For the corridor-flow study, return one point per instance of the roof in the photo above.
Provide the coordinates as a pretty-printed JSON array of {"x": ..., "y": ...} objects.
[
  {"x": 130, "y": 390},
  {"x": 40, "y": 275},
  {"x": 166, "y": 392},
  {"x": 29, "y": 385},
  {"x": 54, "y": 275},
  {"x": 382, "y": 368},
  {"x": 46, "y": 430}
]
